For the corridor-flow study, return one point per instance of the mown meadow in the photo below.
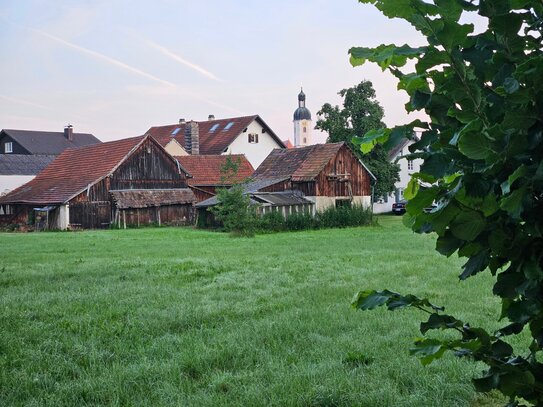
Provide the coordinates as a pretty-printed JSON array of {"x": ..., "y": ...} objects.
[{"x": 176, "y": 316}]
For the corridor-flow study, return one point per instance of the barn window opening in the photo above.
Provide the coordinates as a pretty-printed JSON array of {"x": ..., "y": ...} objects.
[{"x": 8, "y": 147}]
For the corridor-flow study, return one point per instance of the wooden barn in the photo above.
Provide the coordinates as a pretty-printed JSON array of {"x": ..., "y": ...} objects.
[
  {"x": 132, "y": 181},
  {"x": 208, "y": 175},
  {"x": 326, "y": 174}
]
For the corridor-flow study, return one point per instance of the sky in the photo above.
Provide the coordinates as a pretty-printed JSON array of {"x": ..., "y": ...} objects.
[{"x": 115, "y": 68}]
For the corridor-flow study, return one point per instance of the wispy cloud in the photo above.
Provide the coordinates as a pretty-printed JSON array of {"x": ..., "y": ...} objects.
[
  {"x": 102, "y": 57},
  {"x": 181, "y": 60},
  {"x": 24, "y": 102}
]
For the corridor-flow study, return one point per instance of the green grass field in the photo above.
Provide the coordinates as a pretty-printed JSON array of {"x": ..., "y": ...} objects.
[{"x": 174, "y": 316}]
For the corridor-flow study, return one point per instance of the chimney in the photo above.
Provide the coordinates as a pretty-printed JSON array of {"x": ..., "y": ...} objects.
[
  {"x": 69, "y": 132},
  {"x": 192, "y": 137},
  {"x": 211, "y": 117},
  {"x": 181, "y": 121}
]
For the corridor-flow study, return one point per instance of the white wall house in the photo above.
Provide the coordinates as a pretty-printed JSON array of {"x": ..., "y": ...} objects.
[{"x": 407, "y": 168}]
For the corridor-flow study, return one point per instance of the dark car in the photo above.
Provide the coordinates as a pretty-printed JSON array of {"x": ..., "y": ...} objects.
[{"x": 398, "y": 208}]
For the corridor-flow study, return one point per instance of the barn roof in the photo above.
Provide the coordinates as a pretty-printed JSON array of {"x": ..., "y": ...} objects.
[
  {"x": 215, "y": 135},
  {"x": 73, "y": 171},
  {"x": 48, "y": 142},
  {"x": 206, "y": 169},
  {"x": 300, "y": 164},
  {"x": 23, "y": 164},
  {"x": 145, "y": 198}
]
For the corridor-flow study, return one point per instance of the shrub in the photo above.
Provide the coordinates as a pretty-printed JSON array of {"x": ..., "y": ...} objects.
[
  {"x": 300, "y": 221},
  {"x": 271, "y": 222},
  {"x": 344, "y": 216}
]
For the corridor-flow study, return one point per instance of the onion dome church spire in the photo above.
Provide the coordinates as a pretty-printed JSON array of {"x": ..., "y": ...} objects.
[{"x": 302, "y": 123}]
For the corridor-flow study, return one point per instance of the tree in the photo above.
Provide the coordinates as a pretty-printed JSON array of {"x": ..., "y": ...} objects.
[
  {"x": 234, "y": 209},
  {"x": 360, "y": 113},
  {"x": 483, "y": 166}
]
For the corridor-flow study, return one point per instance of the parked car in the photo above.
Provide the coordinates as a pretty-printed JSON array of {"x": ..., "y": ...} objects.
[{"x": 398, "y": 208}]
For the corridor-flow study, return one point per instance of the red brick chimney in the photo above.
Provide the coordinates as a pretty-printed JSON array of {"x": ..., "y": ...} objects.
[{"x": 69, "y": 132}]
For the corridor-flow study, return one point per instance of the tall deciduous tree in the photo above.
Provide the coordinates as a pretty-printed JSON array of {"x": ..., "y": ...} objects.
[
  {"x": 483, "y": 165},
  {"x": 360, "y": 113}
]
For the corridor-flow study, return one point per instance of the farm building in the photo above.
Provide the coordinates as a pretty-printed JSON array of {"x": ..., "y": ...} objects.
[
  {"x": 248, "y": 135},
  {"x": 24, "y": 153},
  {"x": 126, "y": 182},
  {"x": 207, "y": 172},
  {"x": 326, "y": 174},
  {"x": 306, "y": 179}
]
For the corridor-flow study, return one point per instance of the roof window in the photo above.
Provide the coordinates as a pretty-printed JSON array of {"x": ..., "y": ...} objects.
[
  {"x": 214, "y": 128},
  {"x": 176, "y": 130},
  {"x": 228, "y": 126}
]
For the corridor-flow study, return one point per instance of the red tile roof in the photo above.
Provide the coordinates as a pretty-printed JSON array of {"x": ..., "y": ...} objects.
[
  {"x": 211, "y": 142},
  {"x": 300, "y": 164},
  {"x": 206, "y": 169},
  {"x": 73, "y": 171}
]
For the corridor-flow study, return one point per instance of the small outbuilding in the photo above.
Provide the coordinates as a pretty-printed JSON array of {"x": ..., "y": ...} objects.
[
  {"x": 326, "y": 174},
  {"x": 132, "y": 181}
]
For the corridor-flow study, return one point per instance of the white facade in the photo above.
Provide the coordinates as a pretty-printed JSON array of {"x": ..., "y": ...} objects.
[
  {"x": 175, "y": 149},
  {"x": 10, "y": 182},
  {"x": 407, "y": 168},
  {"x": 256, "y": 143},
  {"x": 302, "y": 133},
  {"x": 325, "y": 202}
]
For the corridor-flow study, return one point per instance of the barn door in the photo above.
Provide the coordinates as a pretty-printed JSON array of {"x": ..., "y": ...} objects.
[{"x": 90, "y": 215}]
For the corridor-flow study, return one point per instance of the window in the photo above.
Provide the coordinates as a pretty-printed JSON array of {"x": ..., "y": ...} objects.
[
  {"x": 8, "y": 147},
  {"x": 176, "y": 131},
  {"x": 214, "y": 128},
  {"x": 228, "y": 126},
  {"x": 343, "y": 203},
  {"x": 253, "y": 138},
  {"x": 305, "y": 129},
  {"x": 6, "y": 210},
  {"x": 410, "y": 165},
  {"x": 305, "y": 140}
]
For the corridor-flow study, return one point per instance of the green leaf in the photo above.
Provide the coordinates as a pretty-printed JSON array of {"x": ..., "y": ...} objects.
[
  {"x": 513, "y": 203},
  {"x": 447, "y": 244},
  {"x": 475, "y": 145},
  {"x": 468, "y": 225},
  {"x": 412, "y": 189},
  {"x": 420, "y": 99},
  {"x": 475, "y": 264},
  {"x": 437, "y": 321},
  {"x": 427, "y": 350},
  {"x": 423, "y": 199},
  {"x": 518, "y": 173},
  {"x": 384, "y": 55},
  {"x": 369, "y": 299},
  {"x": 370, "y": 139}
]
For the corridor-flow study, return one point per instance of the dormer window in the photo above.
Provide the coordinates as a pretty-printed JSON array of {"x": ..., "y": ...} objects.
[
  {"x": 8, "y": 147},
  {"x": 253, "y": 138}
]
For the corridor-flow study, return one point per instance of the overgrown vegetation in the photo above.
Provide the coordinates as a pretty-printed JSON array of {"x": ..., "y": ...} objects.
[
  {"x": 332, "y": 217},
  {"x": 483, "y": 165},
  {"x": 195, "y": 318}
]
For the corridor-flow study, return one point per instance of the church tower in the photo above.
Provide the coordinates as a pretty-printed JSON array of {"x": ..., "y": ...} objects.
[{"x": 302, "y": 123}]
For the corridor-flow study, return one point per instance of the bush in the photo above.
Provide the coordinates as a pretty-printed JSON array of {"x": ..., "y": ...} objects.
[
  {"x": 300, "y": 221},
  {"x": 271, "y": 222},
  {"x": 344, "y": 216}
]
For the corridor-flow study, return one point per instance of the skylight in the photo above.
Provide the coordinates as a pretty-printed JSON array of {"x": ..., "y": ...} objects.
[
  {"x": 228, "y": 126},
  {"x": 176, "y": 130},
  {"x": 214, "y": 128}
]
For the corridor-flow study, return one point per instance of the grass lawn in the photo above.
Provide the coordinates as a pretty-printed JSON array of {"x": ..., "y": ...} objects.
[{"x": 175, "y": 316}]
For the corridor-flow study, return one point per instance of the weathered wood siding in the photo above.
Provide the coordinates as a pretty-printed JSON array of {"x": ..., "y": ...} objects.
[
  {"x": 90, "y": 215},
  {"x": 148, "y": 168},
  {"x": 203, "y": 193},
  {"x": 344, "y": 171},
  {"x": 163, "y": 215}
]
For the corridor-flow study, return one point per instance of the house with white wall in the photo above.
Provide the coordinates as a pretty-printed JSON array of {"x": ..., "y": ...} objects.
[
  {"x": 248, "y": 135},
  {"x": 407, "y": 168}
]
